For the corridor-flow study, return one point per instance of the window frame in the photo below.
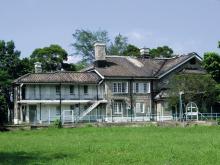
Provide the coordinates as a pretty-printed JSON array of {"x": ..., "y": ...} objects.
[
  {"x": 140, "y": 107},
  {"x": 141, "y": 87},
  {"x": 120, "y": 87},
  {"x": 118, "y": 108}
]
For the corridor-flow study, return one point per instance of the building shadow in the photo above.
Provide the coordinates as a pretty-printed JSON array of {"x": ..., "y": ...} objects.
[{"x": 23, "y": 158}]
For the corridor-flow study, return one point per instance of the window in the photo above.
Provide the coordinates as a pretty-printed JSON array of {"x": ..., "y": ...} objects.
[
  {"x": 34, "y": 91},
  {"x": 117, "y": 107},
  {"x": 115, "y": 89},
  {"x": 140, "y": 107},
  {"x": 141, "y": 87},
  {"x": 72, "y": 90},
  {"x": 57, "y": 89},
  {"x": 85, "y": 87},
  {"x": 57, "y": 110},
  {"x": 145, "y": 87},
  {"x": 137, "y": 88},
  {"x": 120, "y": 87}
]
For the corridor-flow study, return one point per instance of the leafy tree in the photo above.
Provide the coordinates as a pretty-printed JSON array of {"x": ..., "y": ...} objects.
[
  {"x": 119, "y": 46},
  {"x": 211, "y": 63},
  {"x": 9, "y": 58},
  {"x": 131, "y": 50},
  {"x": 85, "y": 40},
  {"x": 5, "y": 102},
  {"x": 163, "y": 51},
  {"x": 51, "y": 57},
  {"x": 199, "y": 88},
  {"x": 25, "y": 66}
]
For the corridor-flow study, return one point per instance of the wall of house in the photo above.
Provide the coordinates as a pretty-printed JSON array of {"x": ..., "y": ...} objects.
[
  {"x": 48, "y": 92},
  {"x": 126, "y": 98}
]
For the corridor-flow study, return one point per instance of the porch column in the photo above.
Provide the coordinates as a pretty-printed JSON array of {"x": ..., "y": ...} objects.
[{"x": 15, "y": 105}]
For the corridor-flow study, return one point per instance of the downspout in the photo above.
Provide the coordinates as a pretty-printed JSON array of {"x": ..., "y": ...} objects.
[
  {"x": 40, "y": 101},
  {"x": 152, "y": 99},
  {"x": 131, "y": 97},
  {"x": 60, "y": 102},
  {"x": 79, "y": 97}
]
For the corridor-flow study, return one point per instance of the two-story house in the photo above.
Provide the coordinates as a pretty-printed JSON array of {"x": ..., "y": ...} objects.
[{"x": 113, "y": 89}]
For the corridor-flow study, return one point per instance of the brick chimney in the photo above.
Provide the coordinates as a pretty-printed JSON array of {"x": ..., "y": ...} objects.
[{"x": 100, "y": 54}]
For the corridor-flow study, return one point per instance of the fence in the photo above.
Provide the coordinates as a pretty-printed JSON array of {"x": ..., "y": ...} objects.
[{"x": 70, "y": 117}]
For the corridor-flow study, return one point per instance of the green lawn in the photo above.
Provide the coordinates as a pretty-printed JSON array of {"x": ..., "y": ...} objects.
[{"x": 115, "y": 145}]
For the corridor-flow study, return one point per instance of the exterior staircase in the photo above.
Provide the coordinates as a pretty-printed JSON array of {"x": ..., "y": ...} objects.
[{"x": 93, "y": 106}]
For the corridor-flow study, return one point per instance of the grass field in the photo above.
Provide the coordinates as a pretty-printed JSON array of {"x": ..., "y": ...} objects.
[{"x": 115, "y": 145}]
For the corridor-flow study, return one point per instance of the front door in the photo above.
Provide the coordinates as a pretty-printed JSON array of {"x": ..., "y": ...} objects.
[{"x": 32, "y": 113}]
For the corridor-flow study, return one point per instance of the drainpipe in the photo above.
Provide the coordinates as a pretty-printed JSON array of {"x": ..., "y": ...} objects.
[
  {"x": 79, "y": 97},
  {"x": 131, "y": 97},
  {"x": 153, "y": 111},
  {"x": 60, "y": 103},
  {"x": 40, "y": 101}
]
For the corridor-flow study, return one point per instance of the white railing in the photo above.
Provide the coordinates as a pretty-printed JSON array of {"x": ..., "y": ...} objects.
[{"x": 68, "y": 116}]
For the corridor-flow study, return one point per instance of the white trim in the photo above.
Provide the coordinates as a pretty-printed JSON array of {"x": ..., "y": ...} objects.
[
  {"x": 98, "y": 74},
  {"x": 200, "y": 59},
  {"x": 58, "y": 101}
]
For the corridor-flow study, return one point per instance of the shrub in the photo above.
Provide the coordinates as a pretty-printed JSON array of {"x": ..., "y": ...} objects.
[{"x": 57, "y": 124}]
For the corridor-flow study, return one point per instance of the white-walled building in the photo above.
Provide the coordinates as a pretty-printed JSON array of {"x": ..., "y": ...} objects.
[{"x": 113, "y": 89}]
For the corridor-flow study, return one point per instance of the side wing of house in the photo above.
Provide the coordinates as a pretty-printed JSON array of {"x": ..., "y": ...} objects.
[
  {"x": 40, "y": 98},
  {"x": 191, "y": 64}
]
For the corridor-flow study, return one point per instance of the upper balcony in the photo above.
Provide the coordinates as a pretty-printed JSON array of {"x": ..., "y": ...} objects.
[{"x": 63, "y": 92}]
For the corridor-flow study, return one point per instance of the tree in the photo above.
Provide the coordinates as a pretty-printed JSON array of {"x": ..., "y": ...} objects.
[
  {"x": 163, "y": 51},
  {"x": 119, "y": 46},
  {"x": 9, "y": 58},
  {"x": 199, "y": 88},
  {"x": 211, "y": 63},
  {"x": 131, "y": 50},
  {"x": 25, "y": 66},
  {"x": 51, "y": 57},
  {"x": 85, "y": 40}
]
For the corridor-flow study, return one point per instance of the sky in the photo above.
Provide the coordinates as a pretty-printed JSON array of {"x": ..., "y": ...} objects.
[{"x": 184, "y": 25}]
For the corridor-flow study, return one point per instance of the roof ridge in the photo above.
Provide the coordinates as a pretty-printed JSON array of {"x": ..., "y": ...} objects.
[{"x": 21, "y": 77}]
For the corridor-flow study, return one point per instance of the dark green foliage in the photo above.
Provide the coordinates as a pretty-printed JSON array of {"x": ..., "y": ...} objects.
[
  {"x": 9, "y": 61},
  {"x": 199, "y": 88},
  {"x": 211, "y": 63},
  {"x": 163, "y": 51},
  {"x": 131, "y": 50},
  {"x": 9, "y": 58},
  {"x": 57, "y": 124},
  {"x": 25, "y": 66},
  {"x": 3, "y": 110},
  {"x": 51, "y": 57}
]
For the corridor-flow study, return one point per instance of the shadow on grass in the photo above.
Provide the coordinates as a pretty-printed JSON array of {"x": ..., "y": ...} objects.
[{"x": 21, "y": 158}]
